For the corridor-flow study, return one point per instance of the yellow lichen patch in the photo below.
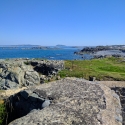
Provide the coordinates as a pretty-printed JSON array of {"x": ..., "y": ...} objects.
[
  {"x": 7, "y": 93},
  {"x": 1, "y": 101}
]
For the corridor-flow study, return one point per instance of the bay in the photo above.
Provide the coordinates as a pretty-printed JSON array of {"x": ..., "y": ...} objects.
[{"x": 57, "y": 54}]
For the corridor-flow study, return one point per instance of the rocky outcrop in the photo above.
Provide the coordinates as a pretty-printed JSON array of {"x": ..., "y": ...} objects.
[
  {"x": 47, "y": 68},
  {"x": 69, "y": 101},
  {"x": 93, "y": 49},
  {"x": 103, "y": 51},
  {"x": 102, "y": 48},
  {"x": 15, "y": 73},
  {"x": 96, "y": 56},
  {"x": 121, "y": 93}
]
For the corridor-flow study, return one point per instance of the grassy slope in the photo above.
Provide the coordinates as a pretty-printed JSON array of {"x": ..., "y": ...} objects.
[{"x": 102, "y": 69}]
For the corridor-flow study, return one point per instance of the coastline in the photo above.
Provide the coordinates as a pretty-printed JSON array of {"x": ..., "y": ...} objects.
[
  {"x": 46, "y": 97},
  {"x": 41, "y": 85},
  {"x": 103, "y": 51}
]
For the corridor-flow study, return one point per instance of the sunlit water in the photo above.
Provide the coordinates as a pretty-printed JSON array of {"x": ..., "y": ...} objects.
[{"x": 60, "y": 54}]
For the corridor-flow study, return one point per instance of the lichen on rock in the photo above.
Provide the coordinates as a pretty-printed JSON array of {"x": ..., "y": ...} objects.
[{"x": 73, "y": 101}]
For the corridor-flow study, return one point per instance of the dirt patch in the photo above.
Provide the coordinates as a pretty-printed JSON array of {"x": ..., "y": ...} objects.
[
  {"x": 7, "y": 93},
  {"x": 112, "y": 83}
]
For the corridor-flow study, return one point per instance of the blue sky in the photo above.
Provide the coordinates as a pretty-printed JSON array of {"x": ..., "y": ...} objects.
[{"x": 67, "y": 22}]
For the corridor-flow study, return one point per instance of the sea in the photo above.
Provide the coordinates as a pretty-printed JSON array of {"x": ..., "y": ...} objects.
[{"x": 62, "y": 53}]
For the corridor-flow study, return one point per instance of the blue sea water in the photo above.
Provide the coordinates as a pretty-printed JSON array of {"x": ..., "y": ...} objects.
[{"x": 57, "y": 54}]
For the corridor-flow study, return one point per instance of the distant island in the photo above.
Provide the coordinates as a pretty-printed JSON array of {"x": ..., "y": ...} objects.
[
  {"x": 60, "y": 45},
  {"x": 28, "y": 46},
  {"x": 23, "y": 45},
  {"x": 17, "y": 46}
]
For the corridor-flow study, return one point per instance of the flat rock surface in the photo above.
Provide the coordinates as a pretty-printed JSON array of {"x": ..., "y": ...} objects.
[
  {"x": 75, "y": 102},
  {"x": 110, "y": 52},
  {"x": 112, "y": 83}
]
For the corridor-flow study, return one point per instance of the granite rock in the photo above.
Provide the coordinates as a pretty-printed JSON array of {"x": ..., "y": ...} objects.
[
  {"x": 15, "y": 73},
  {"x": 73, "y": 101}
]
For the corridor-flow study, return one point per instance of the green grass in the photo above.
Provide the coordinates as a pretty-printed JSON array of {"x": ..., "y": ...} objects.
[
  {"x": 2, "y": 112},
  {"x": 103, "y": 69}
]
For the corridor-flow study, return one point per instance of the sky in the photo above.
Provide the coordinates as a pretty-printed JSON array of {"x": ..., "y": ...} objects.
[{"x": 65, "y": 22}]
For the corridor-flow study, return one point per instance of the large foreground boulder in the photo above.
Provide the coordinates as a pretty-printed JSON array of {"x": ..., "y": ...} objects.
[{"x": 69, "y": 101}]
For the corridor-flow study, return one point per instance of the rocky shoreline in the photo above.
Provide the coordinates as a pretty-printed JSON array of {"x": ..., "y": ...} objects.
[{"x": 103, "y": 51}]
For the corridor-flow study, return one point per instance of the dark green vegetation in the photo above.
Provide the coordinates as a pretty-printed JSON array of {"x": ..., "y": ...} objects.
[
  {"x": 27, "y": 63},
  {"x": 2, "y": 112},
  {"x": 103, "y": 69}
]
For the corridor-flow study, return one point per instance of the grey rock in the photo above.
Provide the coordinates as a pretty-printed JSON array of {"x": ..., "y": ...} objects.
[
  {"x": 32, "y": 76},
  {"x": 46, "y": 103},
  {"x": 0, "y": 79},
  {"x": 28, "y": 91},
  {"x": 2, "y": 65},
  {"x": 14, "y": 77},
  {"x": 49, "y": 67},
  {"x": 117, "y": 97},
  {"x": 120, "y": 96},
  {"x": 33, "y": 97},
  {"x": 10, "y": 84},
  {"x": 74, "y": 102},
  {"x": 3, "y": 74},
  {"x": 25, "y": 72},
  {"x": 118, "y": 118},
  {"x": 34, "y": 110},
  {"x": 42, "y": 76},
  {"x": 2, "y": 82},
  {"x": 28, "y": 83}
]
